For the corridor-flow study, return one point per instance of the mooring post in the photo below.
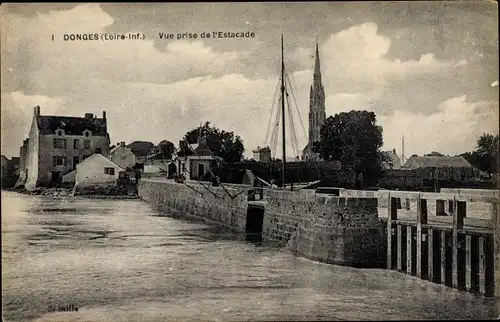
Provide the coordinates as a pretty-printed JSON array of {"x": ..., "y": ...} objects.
[
  {"x": 481, "y": 245},
  {"x": 444, "y": 245},
  {"x": 409, "y": 249},
  {"x": 496, "y": 236},
  {"x": 392, "y": 214},
  {"x": 468, "y": 263},
  {"x": 459, "y": 209},
  {"x": 430, "y": 254},
  {"x": 400, "y": 247},
  {"x": 421, "y": 220}
]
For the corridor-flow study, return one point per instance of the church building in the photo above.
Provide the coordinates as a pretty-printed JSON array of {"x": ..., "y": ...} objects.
[{"x": 317, "y": 112}]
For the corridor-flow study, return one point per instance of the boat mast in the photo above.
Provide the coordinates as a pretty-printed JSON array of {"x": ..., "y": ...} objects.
[{"x": 283, "y": 112}]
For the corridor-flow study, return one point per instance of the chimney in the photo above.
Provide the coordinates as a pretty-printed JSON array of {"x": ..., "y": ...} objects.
[
  {"x": 104, "y": 114},
  {"x": 36, "y": 110},
  {"x": 89, "y": 115}
]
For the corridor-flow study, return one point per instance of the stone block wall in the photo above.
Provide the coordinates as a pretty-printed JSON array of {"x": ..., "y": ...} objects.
[
  {"x": 193, "y": 200},
  {"x": 329, "y": 229}
]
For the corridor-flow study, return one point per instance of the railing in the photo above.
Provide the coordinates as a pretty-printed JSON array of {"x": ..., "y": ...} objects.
[{"x": 454, "y": 255}]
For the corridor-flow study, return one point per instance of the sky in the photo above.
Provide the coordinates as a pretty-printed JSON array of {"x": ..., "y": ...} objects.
[{"x": 429, "y": 70}]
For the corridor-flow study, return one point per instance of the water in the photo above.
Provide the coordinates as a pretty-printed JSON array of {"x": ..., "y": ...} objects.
[{"x": 122, "y": 261}]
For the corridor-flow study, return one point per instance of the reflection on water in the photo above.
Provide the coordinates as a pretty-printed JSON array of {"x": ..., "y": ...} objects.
[{"x": 118, "y": 260}]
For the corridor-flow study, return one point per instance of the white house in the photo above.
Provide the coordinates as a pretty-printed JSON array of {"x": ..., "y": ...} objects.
[
  {"x": 97, "y": 170},
  {"x": 195, "y": 166},
  {"x": 123, "y": 156}
]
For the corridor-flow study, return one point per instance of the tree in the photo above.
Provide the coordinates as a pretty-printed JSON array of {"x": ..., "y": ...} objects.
[
  {"x": 224, "y": 144},
  {"x": 354, "y": 139},
  {"x": 166, "y": 148},
  {"x": 434, "y": 154},
  {"x": 485, "y": 156},
  {"x": 141, "y": 148}
]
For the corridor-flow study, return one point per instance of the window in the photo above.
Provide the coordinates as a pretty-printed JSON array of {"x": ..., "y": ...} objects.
[
  {"x": 87, "y": 134},
  {"x": 124, "y": 157},
  {"x": 110, "y": 171},
  {"x": 76, "y": 144},
  {"x": 59, "y": 160},
  {"x": 59, "y": 133},
  {"x": 59, "y": 143},
  {"x": 86, "y": 144}
]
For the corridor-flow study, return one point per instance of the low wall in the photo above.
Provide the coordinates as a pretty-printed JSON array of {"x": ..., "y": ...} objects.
[
  {"x": 336, "y": 230},
  {"x": 193, "y": 200}
]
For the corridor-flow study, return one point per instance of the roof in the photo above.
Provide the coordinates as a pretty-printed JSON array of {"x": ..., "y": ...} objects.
[
  {"x": 436, "y": 162},
  {"x": 264, "y": 149},
  {"x": 203, "y": 150},
  {"x": 98, "y": 155},
  {"x": 71, "y": 125},
  {"x": 113, "y": 150}
]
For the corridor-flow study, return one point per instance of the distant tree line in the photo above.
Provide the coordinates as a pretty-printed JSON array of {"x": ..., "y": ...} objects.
[{"x": 485, "y": 156}]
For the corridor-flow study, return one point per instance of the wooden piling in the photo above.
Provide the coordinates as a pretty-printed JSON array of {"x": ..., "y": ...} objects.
[
  {"x": 450, "y": 207},
  {"x": 409, "y": 249},
  {"x": 400, "y": 248},
  {"x": 459, "y": 208},
  {"x": 430, "y": 254},
  {"x": 392, "y": 214},
  {"x": 421, "y": 220},
  {"x": 468, "y": 263},
  {"x": 443, "y": 256}
]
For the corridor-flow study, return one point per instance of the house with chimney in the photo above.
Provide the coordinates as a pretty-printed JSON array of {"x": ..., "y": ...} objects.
[
  {"x": 56, "y": 144},
  {"x": 262, "y": 154},
  {"x": 392, "y": 160},
  {"x": 97, "y": 171},
  {"x": 197, "y": 164},
  {"x": 441, "y": 167},
  {"x": 123, "y": 156}
]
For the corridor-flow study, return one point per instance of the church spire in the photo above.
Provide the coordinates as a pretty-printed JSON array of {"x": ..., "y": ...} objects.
[{"x": 317, "y": 69}]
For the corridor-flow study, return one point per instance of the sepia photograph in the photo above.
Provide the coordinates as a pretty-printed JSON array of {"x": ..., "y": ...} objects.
[{"x": 250, "y": 161}]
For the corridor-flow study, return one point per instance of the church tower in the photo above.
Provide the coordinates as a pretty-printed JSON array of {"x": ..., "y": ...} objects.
[{"x": 317, "y": 111}]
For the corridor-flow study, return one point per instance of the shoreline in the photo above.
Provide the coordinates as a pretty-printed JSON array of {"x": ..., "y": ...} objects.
[{"x": 68, "y": 193}]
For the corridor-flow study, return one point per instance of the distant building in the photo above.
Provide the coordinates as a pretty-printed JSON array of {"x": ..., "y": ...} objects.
[
  {"x": 262, "y": 154},
  {"x": 56, "y": 144},
  {"x": 195, "y": 166},
  {"x": 441, "y": 167},
  {"x": 97, "y": 170},
  {"x": 317, "y": 111},
  {"x": 394, "y": 161},
  {"x": 123, "y": 156},
  {"x": 10, "y": 171}
]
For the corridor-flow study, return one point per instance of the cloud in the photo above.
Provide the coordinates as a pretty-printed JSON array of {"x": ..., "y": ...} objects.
[
  {"x": 17, "y": 113},
  {"x": 155, "y": 94},
  {"x": 494, "y": 84},
  {"x": 454, "y": 129}
]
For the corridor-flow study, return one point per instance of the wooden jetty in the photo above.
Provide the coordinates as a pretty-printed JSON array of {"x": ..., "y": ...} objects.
[{"x": 447, "y": 247}]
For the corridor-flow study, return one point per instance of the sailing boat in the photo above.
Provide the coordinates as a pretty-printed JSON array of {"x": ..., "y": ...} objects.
[{"x": 293, "y": 138}]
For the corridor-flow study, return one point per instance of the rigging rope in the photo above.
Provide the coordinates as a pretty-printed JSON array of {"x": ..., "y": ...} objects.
[
  {"x": 213, "y": 175},
  {"x": 274, "y": 136},
  {"x": 272, "y": 110},
  {"x": 296, "y": 106},
  {"x": 318, "y": 172},
  {"x": 293, "y": 134}
]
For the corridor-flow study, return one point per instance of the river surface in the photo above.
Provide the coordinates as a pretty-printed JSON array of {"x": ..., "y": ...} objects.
[{"x": 121, "y": 260}]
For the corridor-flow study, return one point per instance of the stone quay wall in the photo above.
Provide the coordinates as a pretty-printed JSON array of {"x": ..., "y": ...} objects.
[
  {"x": 335, "y": 230},
  {"x": 213, "y": 205}
]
